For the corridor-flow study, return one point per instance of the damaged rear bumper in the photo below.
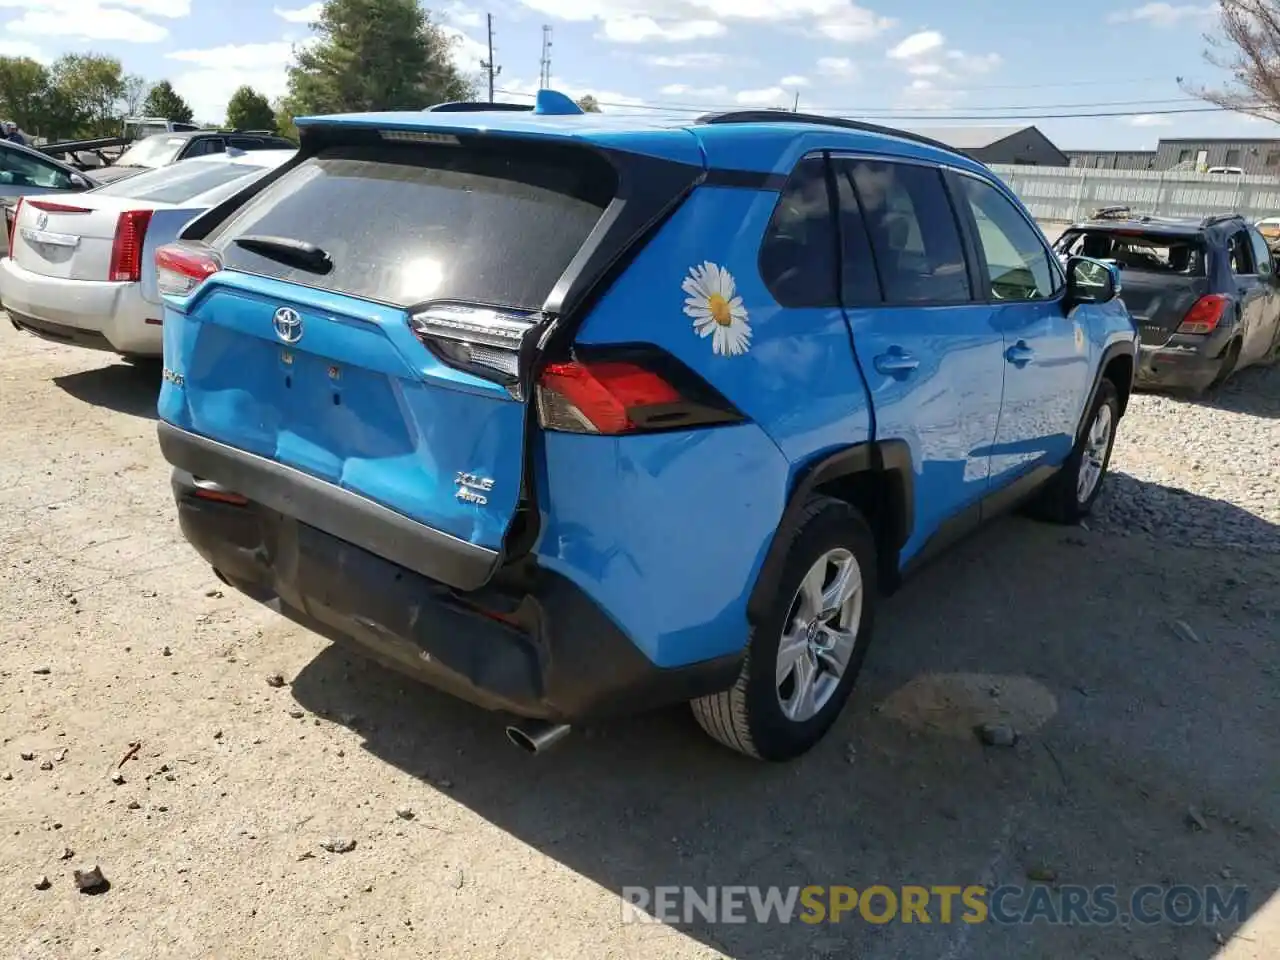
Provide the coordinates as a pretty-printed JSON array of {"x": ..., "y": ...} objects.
[
  {"x": 1176, "y": 367},
  {"x": 545, "y": 651}
]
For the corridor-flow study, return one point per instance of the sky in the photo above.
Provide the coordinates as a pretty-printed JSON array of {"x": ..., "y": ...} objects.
[{"x": 912, "y": 63}]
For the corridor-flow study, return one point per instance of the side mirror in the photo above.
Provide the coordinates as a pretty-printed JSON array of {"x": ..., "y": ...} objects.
[
  {"x": 79, "y": 183},
  {"x": 1091, "y": 281}
]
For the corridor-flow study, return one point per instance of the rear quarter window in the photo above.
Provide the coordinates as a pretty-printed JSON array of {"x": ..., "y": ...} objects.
[{"x": 409, "y": 224}]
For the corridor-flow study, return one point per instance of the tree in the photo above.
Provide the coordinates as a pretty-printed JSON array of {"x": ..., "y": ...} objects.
[
  {"x": 94, "y": 87},
  {"x": 24, "y": 92},
  {"x": 589, "y": 104},
  {"x": 285, "y": 113},
  {"x": 135, "y": 92},
  {"x": 375, "y": 55},
  {"x": 1249, "y": 50},
  {"x": 163, "y": 101},
  {"x": 249, "y": 110}
]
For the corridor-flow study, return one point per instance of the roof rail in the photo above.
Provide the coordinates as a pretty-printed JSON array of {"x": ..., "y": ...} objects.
[
  {"x": 477, "y": 106},
  {"x": 1220, "y": 218},
  {"x": 785, "y": 116},
  {"x": 269, "y": 133}
]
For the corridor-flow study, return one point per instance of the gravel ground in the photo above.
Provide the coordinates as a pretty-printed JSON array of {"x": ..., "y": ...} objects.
[{"x": 1136, "y": 659}]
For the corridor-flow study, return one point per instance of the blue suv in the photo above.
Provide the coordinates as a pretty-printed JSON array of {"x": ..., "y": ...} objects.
[{"x": 575, "y": 416}]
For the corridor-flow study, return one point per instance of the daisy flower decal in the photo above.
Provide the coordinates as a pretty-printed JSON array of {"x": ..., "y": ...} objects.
[{"x": 716, "y": 309}]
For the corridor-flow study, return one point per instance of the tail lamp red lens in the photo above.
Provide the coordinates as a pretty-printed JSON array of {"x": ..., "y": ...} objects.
[
  {"x": 126, "y": 248},
  {"x": 607, "y": 396},
  {"x": 48, "y": 206},
  {"x": 181, "y": 267},
  {"x": 1205, "y": 314}
]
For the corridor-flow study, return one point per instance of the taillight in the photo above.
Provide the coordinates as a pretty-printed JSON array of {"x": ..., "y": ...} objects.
[
  {"x": 633, "y": 393},
  {"x": 482, "y": 340},
  {"x": 48, "y": 206},
  {"x": 1204, "y": 315},
  {"x": 181, "y": 267},
  {"x": 13, "y": 223},
  {"x": 126, "y": 248}
]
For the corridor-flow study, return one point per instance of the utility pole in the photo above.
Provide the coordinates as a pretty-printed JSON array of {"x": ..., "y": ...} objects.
[
  {"x": 544, "y": 78},
  {"x": 795, "y": 107},
  {"x": 488, "y": 65}
]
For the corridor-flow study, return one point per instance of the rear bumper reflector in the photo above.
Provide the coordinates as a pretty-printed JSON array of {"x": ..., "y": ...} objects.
[{"x": 432, "y": 553}]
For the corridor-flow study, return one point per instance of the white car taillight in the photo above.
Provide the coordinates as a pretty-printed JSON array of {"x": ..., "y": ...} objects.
[
  {"x": 181, "y": 267},
  {"x": 126, "y": 247}
]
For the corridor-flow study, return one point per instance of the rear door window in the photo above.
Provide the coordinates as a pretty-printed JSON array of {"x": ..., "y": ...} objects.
[
  {"x": 1241, "y": 254},
  {"x": 409, "y": 224},
  {"x": 913, "y": 232},
  {"x": 1261, "y": 253}
]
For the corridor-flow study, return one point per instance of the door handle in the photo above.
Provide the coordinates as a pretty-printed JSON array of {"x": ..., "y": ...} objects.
[
  {"x": 896, "y": 363},
  {"x": 1020, "y": 354}
]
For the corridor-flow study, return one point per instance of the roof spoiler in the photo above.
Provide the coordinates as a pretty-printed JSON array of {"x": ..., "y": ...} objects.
[{"x": 546, "y": 103}]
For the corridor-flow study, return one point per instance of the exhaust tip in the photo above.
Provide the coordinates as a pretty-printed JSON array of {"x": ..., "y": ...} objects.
[
  {"x": 537, "y": 736},
  {"x": 521, "y": 740}
]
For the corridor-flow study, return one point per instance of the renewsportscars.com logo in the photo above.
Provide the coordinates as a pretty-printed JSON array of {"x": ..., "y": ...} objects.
[{"x": 1006, "y": 905}]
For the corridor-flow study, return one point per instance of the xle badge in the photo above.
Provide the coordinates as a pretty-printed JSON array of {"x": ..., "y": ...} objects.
[{"x": 472, "y": 489}]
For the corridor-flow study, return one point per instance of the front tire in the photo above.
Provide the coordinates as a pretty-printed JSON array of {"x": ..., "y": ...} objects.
[
  {"x": 1069, "y": 497},
  {"x": 805, "y": 654}
]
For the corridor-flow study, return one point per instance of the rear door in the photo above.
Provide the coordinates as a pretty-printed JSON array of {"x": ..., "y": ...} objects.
[
  {"x": 1260, "y": 341},
  {"x": 383, "y": 359},
  {"x": 933, "y": 358},
  {"x": 1254, "y": 295}
]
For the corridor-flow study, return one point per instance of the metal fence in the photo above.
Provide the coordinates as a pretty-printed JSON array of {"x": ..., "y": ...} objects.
[{"x": 1070, "y": 193}]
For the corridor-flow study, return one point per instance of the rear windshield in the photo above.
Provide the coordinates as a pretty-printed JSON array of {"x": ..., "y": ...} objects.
[
  {"x": 156, "y": 151},
  {"x": 407, "y": 224},
  {"x": 1145, "y": 252},
  {"x": 180, "y": 182}
]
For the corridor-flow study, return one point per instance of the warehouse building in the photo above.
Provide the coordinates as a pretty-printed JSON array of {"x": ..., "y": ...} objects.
[{"x": 1017, "y": 145}]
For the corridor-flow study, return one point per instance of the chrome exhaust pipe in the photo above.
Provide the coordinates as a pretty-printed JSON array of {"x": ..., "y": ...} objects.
[{"x": 537, "y": 736}]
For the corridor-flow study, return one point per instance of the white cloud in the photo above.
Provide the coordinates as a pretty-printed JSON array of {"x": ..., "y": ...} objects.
[
  {"x": 917, "y": 45},
  {"x": 1149, "y": 120},
  {"x": 982, "y": 63},
  {"x": 23, "y": 48},
  {"x": 939, "y": 71},
  {"x": 89, "y": 22},
  {"x": 638, "y": 21},
  {"x": 463, "y": 16},
  {"x": 852, "y": 24},
  {"x": 794, "y": 81},
  {"x": 215, "y": 73},
  {"x": 648, "y": 30},
  {"x": 840, "y": 68},
  {"x": 720, "y": 93},
  {"x": 1164, "y": 14},
  {"x": 687, "y": 61},
  {"x": 921, "y": 94},
  {"x": 308, "y": 14},
  {"x": 467, "y": 51},
  {"x": 768, "y": 97}
]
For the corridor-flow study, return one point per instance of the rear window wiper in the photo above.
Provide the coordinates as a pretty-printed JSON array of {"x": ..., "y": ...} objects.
[{"x": 293, "y": 253}]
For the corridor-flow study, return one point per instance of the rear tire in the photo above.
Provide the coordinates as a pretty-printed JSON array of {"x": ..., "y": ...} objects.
[
  {"x": 1069, "y": 497},
  {"x": 805, "y": 654}
]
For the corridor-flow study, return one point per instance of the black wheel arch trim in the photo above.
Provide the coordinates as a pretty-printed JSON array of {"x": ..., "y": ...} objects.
[
  {"x": 1122, "y": 348},
  {"x": 886, "y": 457}
]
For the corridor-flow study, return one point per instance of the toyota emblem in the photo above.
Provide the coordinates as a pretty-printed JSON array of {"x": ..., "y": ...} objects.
[{"x": 288, "y": 325}]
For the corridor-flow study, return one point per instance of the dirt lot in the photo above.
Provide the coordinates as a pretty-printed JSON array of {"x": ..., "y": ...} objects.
[{"x": 1138, "y": 660}]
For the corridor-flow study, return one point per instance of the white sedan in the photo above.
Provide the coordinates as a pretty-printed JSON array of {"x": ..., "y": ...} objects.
[{"x": 75, "y": 273}]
